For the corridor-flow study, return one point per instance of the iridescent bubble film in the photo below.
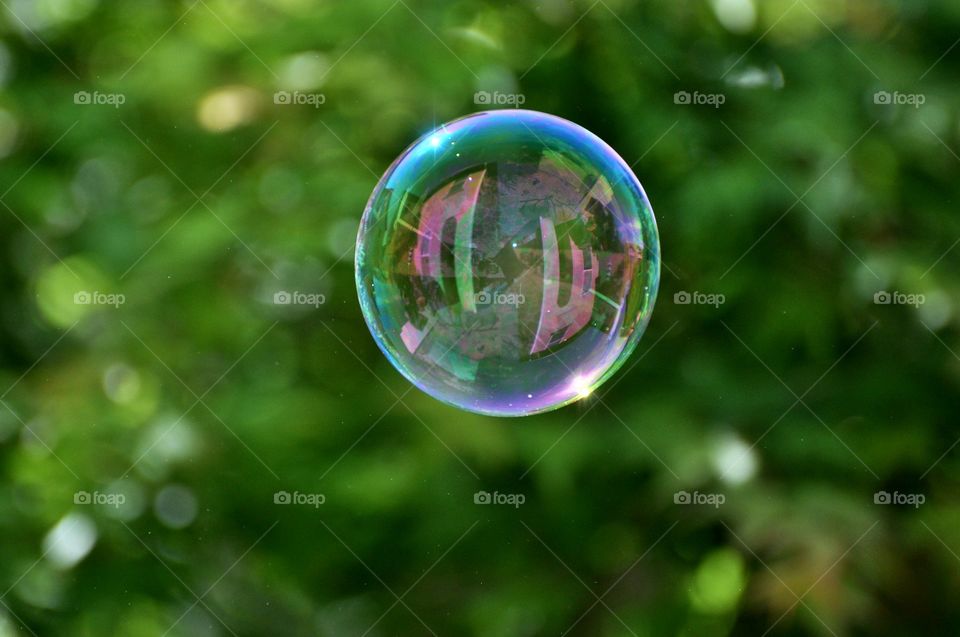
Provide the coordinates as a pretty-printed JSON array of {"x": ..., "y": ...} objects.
[{"x": 507, "y": 262}]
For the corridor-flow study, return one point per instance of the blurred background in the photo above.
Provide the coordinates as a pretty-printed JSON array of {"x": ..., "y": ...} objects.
[{"x": 199, "y": 437}]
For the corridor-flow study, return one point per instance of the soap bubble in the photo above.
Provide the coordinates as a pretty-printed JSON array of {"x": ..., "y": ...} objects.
[{"x": 507, "y": 262}]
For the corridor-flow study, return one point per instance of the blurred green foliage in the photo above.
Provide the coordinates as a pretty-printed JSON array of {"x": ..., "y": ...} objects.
[{"x": 149, "y": 162}]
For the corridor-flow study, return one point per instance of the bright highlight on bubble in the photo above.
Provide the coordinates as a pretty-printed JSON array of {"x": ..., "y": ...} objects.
[
  {"x": 507, "y": 263},
  {"x": 581, "y": 386}
]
